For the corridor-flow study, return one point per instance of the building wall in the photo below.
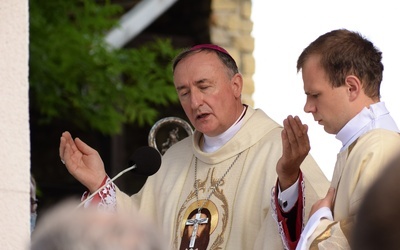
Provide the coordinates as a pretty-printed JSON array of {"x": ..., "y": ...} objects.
[
  {"x": 14, "y": 125},
  {"x": 231, "y": 28}
]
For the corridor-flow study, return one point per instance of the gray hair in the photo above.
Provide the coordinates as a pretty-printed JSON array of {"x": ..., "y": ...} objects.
[{"x": 66, "y": 228}]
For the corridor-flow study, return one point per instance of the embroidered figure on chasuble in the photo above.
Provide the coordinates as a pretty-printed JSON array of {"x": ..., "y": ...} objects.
[{"x": 199, "y": 218}]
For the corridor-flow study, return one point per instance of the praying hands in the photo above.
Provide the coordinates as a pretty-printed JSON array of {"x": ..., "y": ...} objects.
[{"x": 296, "y": 145}]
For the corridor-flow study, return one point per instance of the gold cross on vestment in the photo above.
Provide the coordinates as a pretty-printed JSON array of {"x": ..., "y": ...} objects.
[{"x": 195, "y": 223}]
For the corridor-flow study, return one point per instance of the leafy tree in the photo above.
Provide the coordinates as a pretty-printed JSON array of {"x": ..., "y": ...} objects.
[{"x": 75, "y": 75}]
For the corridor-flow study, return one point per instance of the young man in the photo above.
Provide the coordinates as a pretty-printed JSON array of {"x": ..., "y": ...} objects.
[
  {"x": 342, "y": 74},
  {"x": 225, "y": 169}
]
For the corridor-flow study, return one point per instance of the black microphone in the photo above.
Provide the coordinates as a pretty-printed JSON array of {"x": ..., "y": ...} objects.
[{"x": 145, "y": 161}]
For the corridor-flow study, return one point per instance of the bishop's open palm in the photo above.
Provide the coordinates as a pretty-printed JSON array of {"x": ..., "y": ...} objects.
[{"x": 82, "y": 161}]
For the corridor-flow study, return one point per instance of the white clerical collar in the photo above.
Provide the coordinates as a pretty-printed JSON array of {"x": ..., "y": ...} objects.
[
  {"x": 212, "y": 144},
  {"x": 376, "y": 116}
]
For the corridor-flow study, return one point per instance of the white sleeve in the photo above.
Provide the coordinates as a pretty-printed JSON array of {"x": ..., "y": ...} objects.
[
  {"x": 287, "y": 198},
  {"x": 312, "y": 224}
]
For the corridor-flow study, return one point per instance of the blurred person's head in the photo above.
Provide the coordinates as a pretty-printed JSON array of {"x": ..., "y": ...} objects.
[
  {"x": 377, "y": 224},
  {"x": 66, "y": 228}
]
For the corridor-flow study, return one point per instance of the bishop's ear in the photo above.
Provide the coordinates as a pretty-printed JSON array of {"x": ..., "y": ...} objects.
[{"x": 237, "y": 84}]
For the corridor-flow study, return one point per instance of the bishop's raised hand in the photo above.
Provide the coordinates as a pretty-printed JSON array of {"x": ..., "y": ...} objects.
[{"x": 82, "y": 161}]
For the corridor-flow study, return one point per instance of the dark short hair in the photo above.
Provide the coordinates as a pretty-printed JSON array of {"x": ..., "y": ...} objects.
[{"x": 343, "y": 52}]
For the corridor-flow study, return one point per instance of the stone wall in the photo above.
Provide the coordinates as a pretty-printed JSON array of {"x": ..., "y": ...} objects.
[
  {"x": 14, "y": 125},
  {"x": 231, "y": 27}
]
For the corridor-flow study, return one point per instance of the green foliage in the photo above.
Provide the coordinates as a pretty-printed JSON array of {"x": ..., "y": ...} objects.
[{"x": 74, "y": 75}]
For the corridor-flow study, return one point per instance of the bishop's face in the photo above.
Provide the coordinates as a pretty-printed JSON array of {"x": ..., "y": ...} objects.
[{"x": 209, "y": 94}]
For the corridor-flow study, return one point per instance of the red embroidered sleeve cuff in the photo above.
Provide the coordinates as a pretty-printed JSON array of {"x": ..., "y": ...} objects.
[
  {"x": 290, "y": 223},
  {"x": 105, "y": 199}
]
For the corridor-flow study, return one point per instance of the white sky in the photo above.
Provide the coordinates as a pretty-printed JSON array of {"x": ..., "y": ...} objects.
[{"x": 282, "y": 29}]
